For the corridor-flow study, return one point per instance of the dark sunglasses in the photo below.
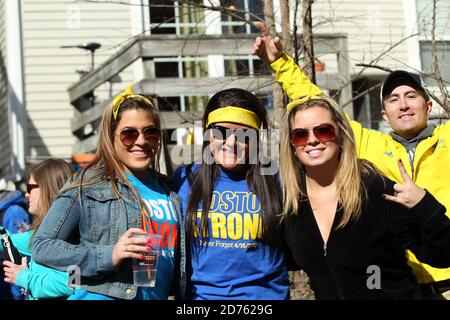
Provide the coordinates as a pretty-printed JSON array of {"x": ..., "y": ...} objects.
[
  {"x": 130, "y": 135},
  {"x": 242, "y": 135},
  {"x": 323, "y": 132},
  {"x": 31, "y": 186}
]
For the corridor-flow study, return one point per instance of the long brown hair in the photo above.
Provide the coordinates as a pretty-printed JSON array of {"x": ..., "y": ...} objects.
[
  {"x": 350, "y": 188},
  {"x": 50, "y": 175}
]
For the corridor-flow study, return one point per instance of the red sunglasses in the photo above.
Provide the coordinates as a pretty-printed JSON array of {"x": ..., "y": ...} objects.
[
  {"x": 323, "y": 132},
  {"x": 31, "y": 186},
  {"x": 129, "y": 136}
]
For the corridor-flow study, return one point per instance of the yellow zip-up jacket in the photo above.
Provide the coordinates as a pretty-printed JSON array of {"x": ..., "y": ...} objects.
[{"x": 431, "y": 159}]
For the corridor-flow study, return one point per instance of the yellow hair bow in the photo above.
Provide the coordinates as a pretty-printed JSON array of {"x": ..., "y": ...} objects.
[
  {"x": 128, "y": 93},
  {"x": 303, "y": 100}
]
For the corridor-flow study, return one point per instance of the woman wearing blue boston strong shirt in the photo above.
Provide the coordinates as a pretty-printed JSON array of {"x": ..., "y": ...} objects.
[
  {"x": 90, "y": 225},
  {"x": 232, "y": 241}
]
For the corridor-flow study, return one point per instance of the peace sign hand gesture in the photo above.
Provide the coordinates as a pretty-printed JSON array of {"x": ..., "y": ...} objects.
[
  {"x": 266, "y": 47},
  {"x": 407, "y": 193}
]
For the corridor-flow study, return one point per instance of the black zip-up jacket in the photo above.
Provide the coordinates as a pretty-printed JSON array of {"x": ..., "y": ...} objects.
[{"x": 366, "y": 259}]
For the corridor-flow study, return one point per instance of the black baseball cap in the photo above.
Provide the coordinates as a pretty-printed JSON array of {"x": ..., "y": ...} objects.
[{"x": 401, "y": 77}]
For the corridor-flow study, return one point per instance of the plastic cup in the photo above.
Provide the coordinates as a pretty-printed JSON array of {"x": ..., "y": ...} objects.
[{"x": 144, "y": 271}]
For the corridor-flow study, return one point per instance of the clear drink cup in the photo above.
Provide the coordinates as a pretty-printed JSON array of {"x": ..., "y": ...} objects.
[{"x": 144, "y": 270}]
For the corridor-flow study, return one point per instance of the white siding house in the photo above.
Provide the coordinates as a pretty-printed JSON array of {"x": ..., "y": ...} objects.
[
  {"x": 50, "y": 69},
  {"x": 373, "y": 27},
  {"x": 12, "y": 157},
  {"x": 5, "y": 144},
  {"x": 386, "y": 33}
]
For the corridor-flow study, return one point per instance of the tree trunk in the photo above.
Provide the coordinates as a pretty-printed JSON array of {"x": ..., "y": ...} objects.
[
  {"x": 278, "y": 101},
  {"x": 299, "y": 289},
  {"x": 286, "y": 26},
  {"x": 307, "y": 39}
]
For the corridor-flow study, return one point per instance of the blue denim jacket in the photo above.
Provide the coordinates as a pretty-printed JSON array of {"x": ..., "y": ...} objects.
[{"x": 81, "y": 236}]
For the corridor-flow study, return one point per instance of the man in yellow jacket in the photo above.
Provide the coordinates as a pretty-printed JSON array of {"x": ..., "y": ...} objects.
[{"x": 423, "y": 148}]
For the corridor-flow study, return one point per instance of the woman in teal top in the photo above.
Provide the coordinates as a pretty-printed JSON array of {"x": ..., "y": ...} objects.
[{"x": 38, "y": 281}]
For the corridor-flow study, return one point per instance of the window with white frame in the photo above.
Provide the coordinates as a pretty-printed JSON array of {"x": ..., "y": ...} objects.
[
  {"x": 235, "y": 19},
  {"x": 179, "y": 18},
  {"x": 188, "y": 18},
  {"x": 442, "y": 38}
]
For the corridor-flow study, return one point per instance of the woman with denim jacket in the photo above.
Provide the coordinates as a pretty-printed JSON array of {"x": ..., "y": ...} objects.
[{"x": 90, "y": 226}]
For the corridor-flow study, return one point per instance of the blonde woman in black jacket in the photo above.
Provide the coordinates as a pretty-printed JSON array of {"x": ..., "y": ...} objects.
[{"x": 344, "y": 223}]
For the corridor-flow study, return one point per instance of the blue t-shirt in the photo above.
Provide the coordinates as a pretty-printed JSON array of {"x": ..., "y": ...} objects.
[
  {"x": 165, "y": 222},
  {"x": 234, "y": 263}
]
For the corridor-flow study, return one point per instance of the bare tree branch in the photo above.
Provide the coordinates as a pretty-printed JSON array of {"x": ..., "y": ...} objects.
[
  {"x": 373, "y": 61},
  {"x": 367, "y": 65},
  {"x": 361, "y": 94},
  {"x": 296, "y": 48}
]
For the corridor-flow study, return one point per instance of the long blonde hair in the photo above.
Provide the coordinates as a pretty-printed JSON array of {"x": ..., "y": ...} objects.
[
  {"x": 350, "y": 189},
  {"x": 50, "y": 176}
]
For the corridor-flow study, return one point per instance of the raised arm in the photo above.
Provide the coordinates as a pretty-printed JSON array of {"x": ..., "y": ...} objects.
[
  {"x": 267, "y": 47},
  {"x": 294, "y": 82},
  {"x": 297, "y": 85}
]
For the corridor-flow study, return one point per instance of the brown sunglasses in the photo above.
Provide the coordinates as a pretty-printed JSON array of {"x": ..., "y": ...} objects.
[
  {"x": 129, "y": 136},
  {"x": 323, "y": 132},
  {"x": 31, "y": 186}
]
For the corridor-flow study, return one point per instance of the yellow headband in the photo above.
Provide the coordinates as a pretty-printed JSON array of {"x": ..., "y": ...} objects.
[
  {"x": 128, "y": 93},
  {"x": 234, "y": 115},
  {"x": 303, "y": 100}
]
